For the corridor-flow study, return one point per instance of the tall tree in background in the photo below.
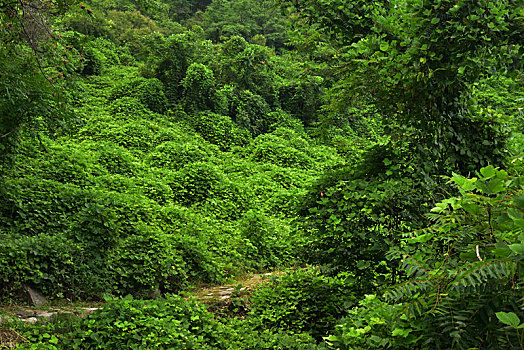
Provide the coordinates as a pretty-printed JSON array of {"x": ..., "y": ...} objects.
[
  {"x": 416, "y": 61},
  {"x": 34, "y": 70}
]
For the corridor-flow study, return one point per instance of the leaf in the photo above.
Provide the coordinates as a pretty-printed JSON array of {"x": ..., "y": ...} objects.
[
  {"x": 518, "y": 248},
  {"x": 384, "y": 46},
  {"x": 422, "y": 238},
  {"x": 489, "y": 171},
  {"x": 509, "y": 318},
  {"x": 518, "y": 199},
  {"x": 519, "y": 223},
  {"x": 435, "y": 20},
  {"x": 402, "y": 332}
]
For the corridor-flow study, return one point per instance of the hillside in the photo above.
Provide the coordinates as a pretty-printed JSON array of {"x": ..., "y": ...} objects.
[{"x": 370, "y": 152}]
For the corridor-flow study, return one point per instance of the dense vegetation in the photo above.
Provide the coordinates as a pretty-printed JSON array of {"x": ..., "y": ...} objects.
[{"x": 375, "y": 149}]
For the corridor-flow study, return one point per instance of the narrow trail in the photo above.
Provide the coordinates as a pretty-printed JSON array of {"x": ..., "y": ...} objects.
[
  {"x": 214, "y": 296},
  {"x": 222, "y": 293}
]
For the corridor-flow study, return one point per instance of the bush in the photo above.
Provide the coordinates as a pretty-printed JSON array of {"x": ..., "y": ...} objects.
[
  {"x": 116, "y": 159},
  {"x": 98, "y": 55},
  {"x": 161, "y": 324},
  {"x": 272, "y": 148},
  {"x": 220, "y": 130},
  {"x": 150, "y": 92},
  {"x": 64, "y": 163},
  {"x": 266, "y": 242},
  {"x": 145, "y": 262},
  {"x": 196, "y": 182},
  {"x": 30, "y": 206},
  {"x": 251, "y": 113},
  {"x": 166, "y": 323},
  {"x": 54, "y": 265},
  {"x": 176, "y": 155},
  {"x": 303, "y": 301},
  {"x": 127, "y": 107},
  {"x": 375, "y": 325},
  {"x": 199, "y": 88}
]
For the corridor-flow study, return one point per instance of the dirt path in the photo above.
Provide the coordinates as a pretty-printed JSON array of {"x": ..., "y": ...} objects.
[
  {"x": 223, "y": 293},
  {"x": 214, "y": 296}
]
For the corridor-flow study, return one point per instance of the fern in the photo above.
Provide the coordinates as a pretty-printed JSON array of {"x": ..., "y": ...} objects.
[{"x": 467, "y": 266}]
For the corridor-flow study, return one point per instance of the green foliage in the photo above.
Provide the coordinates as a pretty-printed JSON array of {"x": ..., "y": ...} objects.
[
  {"x": 150, "y": 92},
  {"x": 31, "y": 206},
  {"x": 115, "y": 159},
  {"x": 220, "y": 130},
  {"x": 53, "y": 263},
  {"x": 196, "y": 182},
  {"x": 36, "y": 69},
  {"x": 162, "y": 324},
  {"x": 374, "y": 324},
  {"x": 247, "y": 67},
  {"x": 199, "y": 87},
  {"x": 247, "y": 19},
  {"x": 302, "y": 98},
  {"x": 303, "y": 301},
  {"x": 166, "y": 323},
  {"x": 174, "y": 155},
  {"x": 97, "y": 55},
  {"x": 468, "y": 266},
  {"x": 285, "y": 151},
  {"x": 171, "y": 67},
  {"x": 416, "y": 62},
  {"x": 146, "y": 262},
  {"x": 267, "y": 244}
]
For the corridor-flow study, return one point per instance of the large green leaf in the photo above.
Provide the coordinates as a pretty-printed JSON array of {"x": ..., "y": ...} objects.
[{"x": 509, "y": 318}]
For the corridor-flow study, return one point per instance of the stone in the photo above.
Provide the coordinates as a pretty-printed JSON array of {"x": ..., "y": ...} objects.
[
  {"x": 30, "y": 320},
  {"x": 37, "y": 299}
]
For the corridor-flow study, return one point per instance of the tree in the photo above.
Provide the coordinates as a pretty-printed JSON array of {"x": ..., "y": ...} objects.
[
  {"x": 417, "y": 61},
  {"x": 35, "y": 67}
]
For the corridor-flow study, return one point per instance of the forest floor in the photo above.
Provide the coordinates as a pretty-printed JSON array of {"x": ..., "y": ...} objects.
[{"x": 219, "y": 298}]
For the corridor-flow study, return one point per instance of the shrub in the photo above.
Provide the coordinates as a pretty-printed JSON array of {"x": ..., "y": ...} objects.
[
  {"x": 220, "y": 130},
  {"x": 116, "y": 159},
  {"x": 145, "y": 262},
  {"x": 150, "y": 92},
  {"x": 199, "y": 88},
  {"x": 64, "y": 163},
  {"x": 251, "y": 113},
  {"x": 176, "y": 155},
  {"x": 272, "y": 148},
  {"x": 267, "y": 244},
  {"x": 375, "y": 324},
  {"x": 303, "y": 301},
  {"x": 54, "y": 265},
  {"x": 196, "y": 182},
  {"x": 30, "y": 206},
  {"x": 166, "y": 323},
  {"x": 127, "y": 107},
  {"x": 161, "y": 324}
]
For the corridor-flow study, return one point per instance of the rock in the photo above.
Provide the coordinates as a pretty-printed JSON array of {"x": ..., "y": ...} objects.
[
  {"x": 36, "y": 298},
  {"x": 30, "y": 320},
  {"x": 46, "y": 314},
  {"x": 155, "y": 294}
]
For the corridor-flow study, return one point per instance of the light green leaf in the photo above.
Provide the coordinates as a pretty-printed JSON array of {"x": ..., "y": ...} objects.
[
  {"x": 422, "y": 238},
  {"x": 518, "y": 248},
  {"x": 509, "y": 318},
  {"x": 435, "y": 20},
  {"x": 384, "y": 46},
  {"x": 519, "y": 223},
  {"x": 488, "y": 172}
]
